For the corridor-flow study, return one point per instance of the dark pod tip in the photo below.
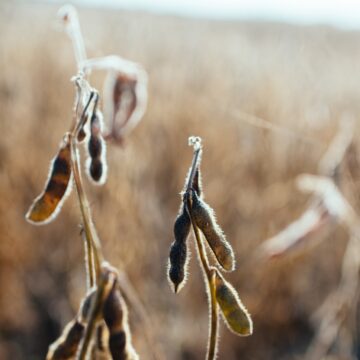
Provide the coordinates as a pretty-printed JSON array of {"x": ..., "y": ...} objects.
[{"x": 96, "y": 169}]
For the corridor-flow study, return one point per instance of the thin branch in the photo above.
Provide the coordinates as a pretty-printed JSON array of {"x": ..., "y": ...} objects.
[
  {"x": 89, "y": 228},
  {"x": 214, "y": 318},
  {"x": 70, "y": 18},
  {"x": 194, "y": 141}
]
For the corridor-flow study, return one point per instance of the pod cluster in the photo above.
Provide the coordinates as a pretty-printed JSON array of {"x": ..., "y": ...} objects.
[
  {"x": 89, "y": 128},
  {"x": 111, "y": 316},
  {"x": 197, "y": 214}
]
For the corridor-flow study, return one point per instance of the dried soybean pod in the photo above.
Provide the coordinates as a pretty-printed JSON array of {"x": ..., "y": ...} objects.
[
  {"x": 116, "y": 319},
  {"x": 47, "y": 205},
  {"x": 67, "y": 345},
  {"x": 234, "y": 312},
  {"x": 96, "y": 125},
  {"x": 204, "y": 218},
  {"x": 178, "y": 257},
  {"x": 96, "y": 163}
]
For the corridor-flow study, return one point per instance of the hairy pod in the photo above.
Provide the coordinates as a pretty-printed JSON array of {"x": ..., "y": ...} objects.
[
  {"x": 234, "y": 312},
  {"x": 96, "y": 162},
  {"x": 47, "y": 205},
  {"x": 178, "y": 250},
  {"x": 116, "y": 319},
  {"x": 205, "y": 220},
  {"x": 67, "y": 345}
]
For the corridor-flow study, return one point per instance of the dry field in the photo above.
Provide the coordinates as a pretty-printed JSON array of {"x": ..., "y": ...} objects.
[{"x": 205, "y": 78}]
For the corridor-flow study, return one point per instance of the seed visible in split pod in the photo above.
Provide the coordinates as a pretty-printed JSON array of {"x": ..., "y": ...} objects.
[
  {"x": 46, "y": 206},
  {"x": 95, "y": 145},
  {"x": 178, "y": 250},
  {"x": 205, "y": 220},
  {"x": 234, "y": 312}
]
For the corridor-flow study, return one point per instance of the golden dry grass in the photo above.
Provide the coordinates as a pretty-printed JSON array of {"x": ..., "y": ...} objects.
[{"x": 204, "y": 76}]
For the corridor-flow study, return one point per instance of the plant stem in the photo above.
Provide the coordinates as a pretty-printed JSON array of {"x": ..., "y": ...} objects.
[
  {"x": 210, "y": 276},
  {"x": 196, "y": 143},
  {"x": 214, "y": 319},
  {"x": 210, "y": 273},
  {"x": 89, "y": 260},
  {"x": 93, "y": 241},
  {"x": 71, "y": 20}
]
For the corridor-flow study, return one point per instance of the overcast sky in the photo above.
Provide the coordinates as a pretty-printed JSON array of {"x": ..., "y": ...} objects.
[{"x": 341, "y": 13}]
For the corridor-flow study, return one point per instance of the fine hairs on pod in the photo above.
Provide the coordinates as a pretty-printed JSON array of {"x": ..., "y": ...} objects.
[
  {"x": 178, "y": 257},
  {"x": 234, "y": 312},
  {"x": 204, "y": 218}
]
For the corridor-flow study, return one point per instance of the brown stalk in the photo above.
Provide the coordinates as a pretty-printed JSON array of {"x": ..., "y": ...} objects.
[
  {"x": 210, "y": 275},
  {"x": 93, "y": 242}
]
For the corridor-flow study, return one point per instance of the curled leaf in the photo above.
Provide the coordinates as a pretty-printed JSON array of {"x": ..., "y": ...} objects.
[
  {"x": 315, "y": 218},
  {"x": 47, "y": 205},
  {"x": 124, "y": 102},
  {"x": 125, "y": 94},
  {"x": 234, "y": 312},
  {"x": 204, "y": 218}
]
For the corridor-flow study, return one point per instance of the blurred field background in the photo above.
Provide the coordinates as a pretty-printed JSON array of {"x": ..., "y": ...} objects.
[{"x": 205, "y": 78}]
